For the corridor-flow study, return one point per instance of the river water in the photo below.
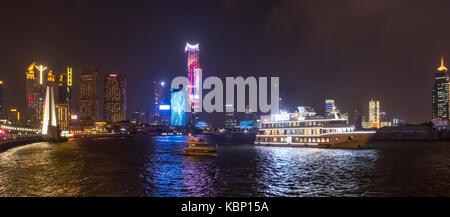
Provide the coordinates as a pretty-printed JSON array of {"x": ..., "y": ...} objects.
[{"x": 154, "y": 166}]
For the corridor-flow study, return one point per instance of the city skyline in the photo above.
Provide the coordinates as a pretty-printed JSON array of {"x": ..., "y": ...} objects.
[
  {"x": 63, "y": 82},
  {"x": 383, "y": 72}
]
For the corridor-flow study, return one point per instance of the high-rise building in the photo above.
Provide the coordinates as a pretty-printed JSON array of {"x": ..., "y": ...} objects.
[
  {"x": 194, "y": 74},
  {"x": 440, "y": 105},
  {"x": 35, "y": 94},
  {"x": 2, "y": 113},
  {"x": 158, "y": 99},
  {"x": 90, "y": 97},
  {"x": 64, "y": 99},
  {"x": 374, "y": 113},
  {"x": 231, "y": 119},
  {"x": 63, "y": 116},
  {"x": 65, "y": 87},
  {"x": 115, "y": 98},
  {"x": 329, "y": 107}
]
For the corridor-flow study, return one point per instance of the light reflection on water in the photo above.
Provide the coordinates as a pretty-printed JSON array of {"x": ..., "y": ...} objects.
[{"x": 155, "y": 166}]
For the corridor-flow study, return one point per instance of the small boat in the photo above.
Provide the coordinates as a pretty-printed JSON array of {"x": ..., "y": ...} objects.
[{"x": 199, "y": 146}]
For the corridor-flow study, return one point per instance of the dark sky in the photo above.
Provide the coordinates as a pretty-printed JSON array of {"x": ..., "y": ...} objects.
[{"x": 349, "y": 50}]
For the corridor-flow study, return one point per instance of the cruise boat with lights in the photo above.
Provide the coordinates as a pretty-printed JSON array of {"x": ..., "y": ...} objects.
[
  {"x": 305, "y": 129},
  {"x": 198, "y": 146}
]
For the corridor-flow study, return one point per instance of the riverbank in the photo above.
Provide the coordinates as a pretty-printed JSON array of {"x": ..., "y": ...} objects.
[
  {"x": 412, "y": 133},
  {"x": 6, "y": 145}
]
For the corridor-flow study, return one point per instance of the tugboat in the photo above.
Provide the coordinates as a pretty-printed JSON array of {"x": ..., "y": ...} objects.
[{"x": 198, "y": 146}]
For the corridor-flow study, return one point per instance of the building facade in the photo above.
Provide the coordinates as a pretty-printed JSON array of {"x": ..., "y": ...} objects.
[
  {"x": 374, "y": 113},
  {"x": 329, "y": 107},
  {"x": 231, "y": 118},
  {"x": 34, "y": 94},
  {"x": 90, "y": 97},
  {"x": 2, "y": 112},
  {"x": 158, "y": 99},
  {"x": 440, "y": 105},
  {"x": 139, "y": 117},
  {"x": 63, "y": 116},
  {"x": 64, "y": 99},
  {"x": 195, "y": 78},
  {"x": 115, "y": 98}
]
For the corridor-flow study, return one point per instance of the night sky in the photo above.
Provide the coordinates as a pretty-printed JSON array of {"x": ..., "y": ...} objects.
[{"x": 350, "y": 51}]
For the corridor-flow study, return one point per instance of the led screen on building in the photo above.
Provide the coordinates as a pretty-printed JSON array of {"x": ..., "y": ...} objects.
[
  {"x": 247, "y": 124},
  {"x": 177, "y": 105}
]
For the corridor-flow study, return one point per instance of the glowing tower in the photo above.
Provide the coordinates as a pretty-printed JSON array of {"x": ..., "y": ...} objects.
[
  {"x": 34, "y": 94},
  {"x": 194, "y": 74},
  {"x": 440, "y": 105},
  {"x": 115, "y": 98},
  {"x": 374, "y": 113}
]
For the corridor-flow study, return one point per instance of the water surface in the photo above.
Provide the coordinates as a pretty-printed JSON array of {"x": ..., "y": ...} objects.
[{"x": 154, "y": 166}]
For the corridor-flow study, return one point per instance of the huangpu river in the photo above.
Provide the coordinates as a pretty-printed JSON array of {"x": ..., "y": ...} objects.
[{"x": 155, "y": 166}]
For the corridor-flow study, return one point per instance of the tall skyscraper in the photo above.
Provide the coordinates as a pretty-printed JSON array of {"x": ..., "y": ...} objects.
[
  {"x": 64, "y": 99},
  {"x": 194, "y": 75},
  {"x": 329, "y": 107},
  {"x": 65, "y": 87},
  {"x": 62, "y": 115},
  {"x": 34, "y": 94},
  {"x": 374, "y": 113},
  {"x": 115, "y": 98},
  {"x": 2, "y": 112},
  {"x": 158, "y": 99},
  {"x": 90, "y": 97},
  {"x": 440, "y": 105}
]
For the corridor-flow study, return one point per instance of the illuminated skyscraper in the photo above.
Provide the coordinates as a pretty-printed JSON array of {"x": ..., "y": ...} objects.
[
  {"x": 64, "y": 99},
  {"x": 64, "y": 82},
  {"x": 194, "y": 74},
  {"x": 2, "y": 113},
  {"x": 158, "y": 99},
  {"x": 440, "y": 105},
  {"x": 329, "y": 107},
  {"x": 115, "y": 98},
  {"x": 62, "y": 115},
  {"x": 374, "y": 113},
  {"x": 90, "y": 97},
  {"x": 34, "y": 94}
]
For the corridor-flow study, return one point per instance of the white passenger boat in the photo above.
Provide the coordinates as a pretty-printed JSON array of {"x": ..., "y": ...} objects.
[{"x": 305, "y": 129}]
